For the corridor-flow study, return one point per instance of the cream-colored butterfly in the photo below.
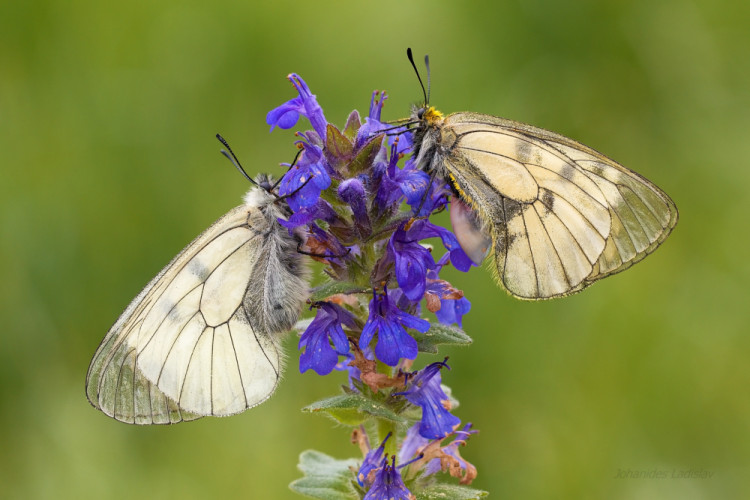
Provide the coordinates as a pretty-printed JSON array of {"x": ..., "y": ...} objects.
[
  {"x": 203, "y": 337},
  {"x": 558, "y": 215}
]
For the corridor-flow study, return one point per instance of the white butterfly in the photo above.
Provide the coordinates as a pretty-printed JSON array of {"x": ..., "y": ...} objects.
[
  {"x": 558, "y": 214},
  {"x": 203, "y": 337}
]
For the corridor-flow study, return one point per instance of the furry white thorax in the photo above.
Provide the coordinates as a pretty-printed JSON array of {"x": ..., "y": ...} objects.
[{"x": 257, "y": 197}]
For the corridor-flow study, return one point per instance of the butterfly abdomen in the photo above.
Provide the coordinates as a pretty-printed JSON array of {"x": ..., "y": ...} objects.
[{"x": 278, "y": 286}]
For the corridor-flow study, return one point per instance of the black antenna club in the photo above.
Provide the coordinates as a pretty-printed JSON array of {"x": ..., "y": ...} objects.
[
  {"x": 233, "y": 158},
  {"x": 413, "y": 65}
]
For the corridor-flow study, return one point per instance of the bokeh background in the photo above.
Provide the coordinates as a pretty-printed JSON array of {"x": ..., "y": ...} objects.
[{"x": 109, "y": 166}]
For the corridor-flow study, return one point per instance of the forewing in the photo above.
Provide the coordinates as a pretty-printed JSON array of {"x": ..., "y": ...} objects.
[
  {"x": 564, "y": 215},
  {"x": 184, "y": 347}
]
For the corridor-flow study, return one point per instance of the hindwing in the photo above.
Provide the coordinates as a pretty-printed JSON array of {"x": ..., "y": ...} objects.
[{"x": 561, "y": 215}]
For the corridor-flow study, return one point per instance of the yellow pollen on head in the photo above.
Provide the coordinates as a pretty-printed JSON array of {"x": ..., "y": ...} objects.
[{"x": 432, "y": 115}]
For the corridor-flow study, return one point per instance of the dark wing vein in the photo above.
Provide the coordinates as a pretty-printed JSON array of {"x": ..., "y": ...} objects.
[
  {"x": 190, "y": 361},
  {"x": 554, "y": 247},
  {"x": 237, "y": 360}
]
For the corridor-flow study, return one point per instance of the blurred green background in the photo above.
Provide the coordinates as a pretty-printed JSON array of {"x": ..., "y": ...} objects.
[{"x": 109, "y": 166}]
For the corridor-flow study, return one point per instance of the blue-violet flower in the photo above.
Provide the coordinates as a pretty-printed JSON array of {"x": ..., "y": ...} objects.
[
  {"x": 389, "y": 321},
  {"x": 287, "y": 115},
  {"x": 317, "y": 338},
  {"x": 304, "y": 182},
  {"x": 372, "y": 461},
  {"x": 388, "y": 484},
  {"x": 425, "y": 391}
]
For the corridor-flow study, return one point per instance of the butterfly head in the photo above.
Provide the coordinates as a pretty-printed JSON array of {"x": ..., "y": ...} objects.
[
  {"x": 265, "y": 182},
  {"x": 262, "y": 193},
  {"x": 426, "y": 121},
  {"x": 428, "y": 116}
]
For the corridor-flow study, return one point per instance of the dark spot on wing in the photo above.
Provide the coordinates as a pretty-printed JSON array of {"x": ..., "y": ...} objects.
[
  {"x": 547, "y": 199},
  {"x": 597, "y": 168},
  {"x": 568, "y": 171},
  {"x": 512, "y": 237},
  {"x": 512, "y": 209},
  {"x": 174, "y": 313},
  {"x": 524, "y": 150},
  {"x": 197, "y": 268}
]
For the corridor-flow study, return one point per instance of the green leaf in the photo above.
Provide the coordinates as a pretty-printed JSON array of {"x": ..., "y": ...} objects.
[
  {"x": 339, "y": 150},
  {"x": 352, "y": 409},
  {"x": 440, "y": 334},
  {"x": 325, "y": 477},
  {"x": 332, "y": 288},
  {"x": 366, "y": 155},
  {"x": 352, "y": 125},
  {"x": 450, "y": 492}
]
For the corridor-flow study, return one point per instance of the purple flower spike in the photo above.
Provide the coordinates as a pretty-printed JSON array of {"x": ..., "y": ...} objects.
[
  {"x": 423, "y": 229},
  {"x": 389, "y": 322},
  {"x": 353, "y": 192},
  {"x": 388, "y": 484},
  {"x": 385, "y": 185},
  {"x": 394, "y": 183},
  {"x": 321, "y": 210},
  {"x": 287, "y": 115},
  {"x": 413, "y": 261},
  {"x": 401, "y": 137},
  {"x": 306, "y": 179},
  {"x": 317, "y": 338},
  {"x": 372, "y": 124},
  {"x": 376, "y": 105},
  {"x": 453, "y": 306},
  {"x": 373, "y": 460},
  {"x": 313, "y": 111},
  {"x": 423, "y": 194},
  {"x": 453, "y": 311},
  {"x": 425, "y": 391},
  {"x": 412, "y": 443}
]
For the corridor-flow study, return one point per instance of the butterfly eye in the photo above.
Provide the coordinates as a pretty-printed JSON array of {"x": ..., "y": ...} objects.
[{"x": 420, "y": 113}]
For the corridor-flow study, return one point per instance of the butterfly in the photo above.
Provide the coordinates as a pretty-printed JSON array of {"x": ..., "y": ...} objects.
[
  {"x": 557, "y": 215},
  {"x": 202, "y": 338}
]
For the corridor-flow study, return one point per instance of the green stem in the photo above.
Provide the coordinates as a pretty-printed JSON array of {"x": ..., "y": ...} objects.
[{"x": 384, "y": 427}]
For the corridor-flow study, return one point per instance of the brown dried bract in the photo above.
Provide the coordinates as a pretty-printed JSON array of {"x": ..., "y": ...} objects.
[
  {"x": 448, "y": 463},
  {"x": 450, "y": 293},
  {"x": 369, "y": 375},
  {"x": 343, "y": 299},
  {"x": 359, "y": 437},
  {"x": 316, "y": 249}
]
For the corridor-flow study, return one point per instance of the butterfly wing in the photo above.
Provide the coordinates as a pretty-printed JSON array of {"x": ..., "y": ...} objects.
[
  {"x": 186, "y": 347},
  {"x": 561, "y": 214}
]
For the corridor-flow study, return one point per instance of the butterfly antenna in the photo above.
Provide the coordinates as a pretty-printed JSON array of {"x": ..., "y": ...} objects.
[
  {"x": 427, "y": 65},
  {"x": 413, "y": 65},
  {"x": 233, "y": 158}
]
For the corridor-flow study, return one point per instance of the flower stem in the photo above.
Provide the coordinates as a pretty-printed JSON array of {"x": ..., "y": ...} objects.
[{"x": 384, "y": 427}]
